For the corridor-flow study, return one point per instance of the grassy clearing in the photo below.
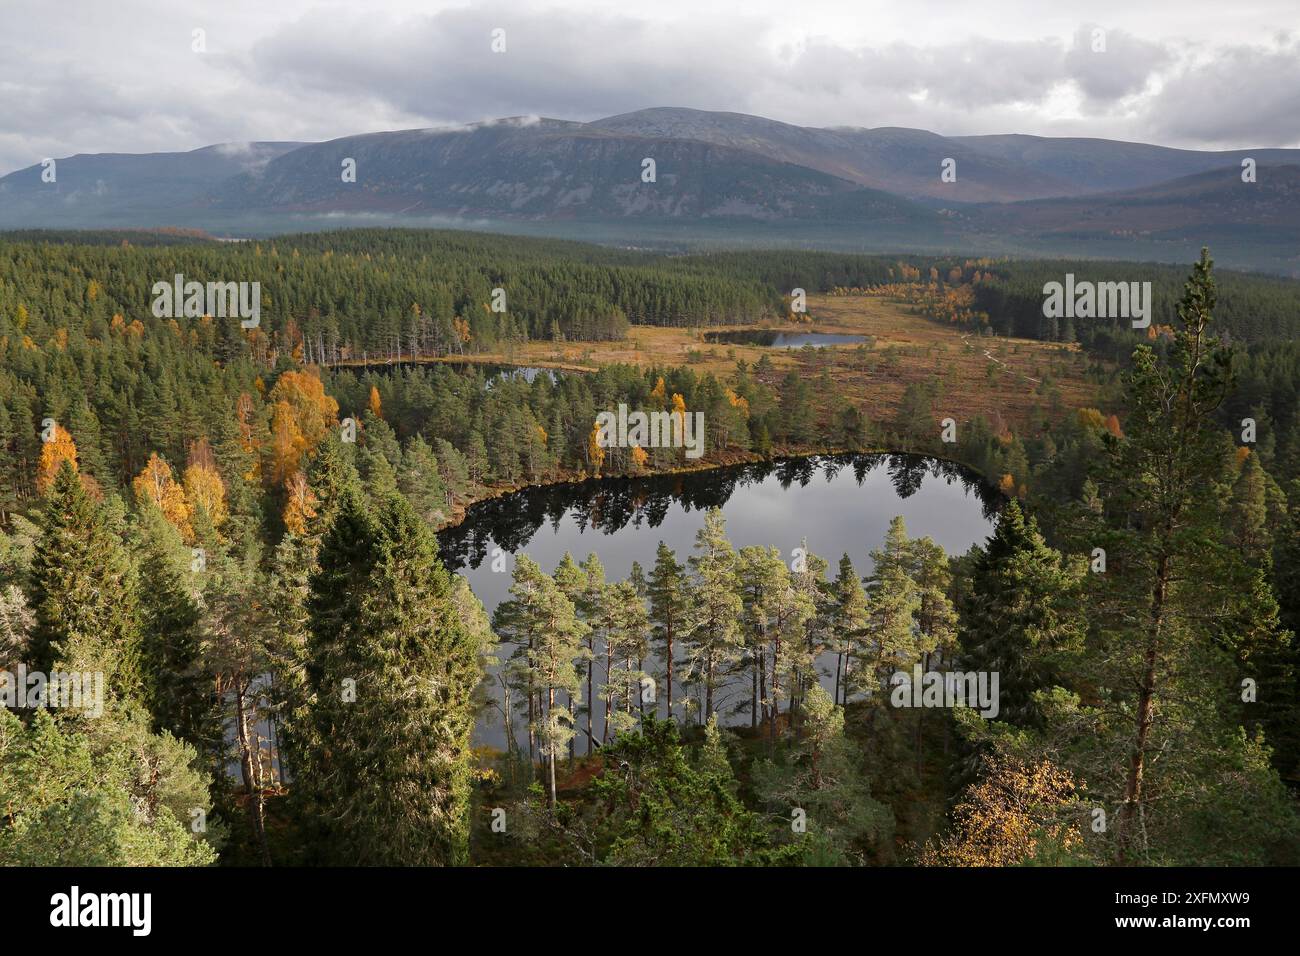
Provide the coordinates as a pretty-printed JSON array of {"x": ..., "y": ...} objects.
[{"x": 978, "y": 375}]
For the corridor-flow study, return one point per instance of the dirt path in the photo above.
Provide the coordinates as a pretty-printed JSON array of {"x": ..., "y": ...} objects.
[{"x": 988, "y": 355}]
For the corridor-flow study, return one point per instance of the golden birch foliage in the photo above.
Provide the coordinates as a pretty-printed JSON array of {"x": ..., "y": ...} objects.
[
  {"x": 314, "y": 412},
  {"x": 288, "y": 444},
  {"x": 54, "y": 453},
  {"x": 1003, "y": 816},
  {"x": 300, "y": 507},
  {"x": 155, "y": 483},
  {"x": 595, "y": 452},
  {"x": 204, "y": 487}
]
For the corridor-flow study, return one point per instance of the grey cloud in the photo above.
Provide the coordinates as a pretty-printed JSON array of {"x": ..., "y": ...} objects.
[
  {"x": 1120, "y": 66},
  {"x": 84, "y": 76},
  {"x": 1248, "y": 96}
]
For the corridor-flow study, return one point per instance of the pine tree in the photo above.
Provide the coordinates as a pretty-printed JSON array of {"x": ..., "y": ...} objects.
[
  {"x": 668, "y": 602},
  {"x": 892, "y": 603},
  {"x": 711, "y": 628},
  {"x": 848, "y": 622},
  {"x": 625, "y": 648},
  {"x": 548, "y": 635},
  {"x": 1173, "y": 584},
  {"x": 822, "y": 776}
]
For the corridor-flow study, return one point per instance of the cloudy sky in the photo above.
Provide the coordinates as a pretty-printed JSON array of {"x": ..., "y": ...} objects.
[{"x": 123, "y": 75}]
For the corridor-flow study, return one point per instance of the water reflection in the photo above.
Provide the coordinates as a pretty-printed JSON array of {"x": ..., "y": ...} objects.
[
  {"x": 837, "y": 505},
  {"x": 612, "y": 504}
]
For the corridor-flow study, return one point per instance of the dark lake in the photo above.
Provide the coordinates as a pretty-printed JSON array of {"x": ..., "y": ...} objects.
[
  {"x": 783, "y": 340},
  {"x": 839, "y": 504}
]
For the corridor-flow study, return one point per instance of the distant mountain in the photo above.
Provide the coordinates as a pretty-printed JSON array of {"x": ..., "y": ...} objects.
[
  {"x": 1215, "y": 203},
  {"x": 125, "y": 188},
  {"x": 720, "y": 178},
  {"x": 553, "y": 169},
  {"x": 1101, "y": 165},
  {"x": 908, "y": 161},
  {"x": 903, "y": 161}
]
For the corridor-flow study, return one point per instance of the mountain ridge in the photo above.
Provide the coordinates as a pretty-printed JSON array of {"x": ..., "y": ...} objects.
[{"x": 712, "y": 170}]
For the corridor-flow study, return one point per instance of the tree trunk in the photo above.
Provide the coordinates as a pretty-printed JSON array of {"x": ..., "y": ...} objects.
[
  {"x": 550, "y": 708},
  {"x": 669, "y": 633},
  {"x": 591, "y": 710},
  {"x": 1145, "y": 711},
  {"x": 252, "y": 781}
]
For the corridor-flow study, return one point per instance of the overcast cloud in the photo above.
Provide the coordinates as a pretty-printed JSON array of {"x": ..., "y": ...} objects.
[{"x": 121, "y": 75}]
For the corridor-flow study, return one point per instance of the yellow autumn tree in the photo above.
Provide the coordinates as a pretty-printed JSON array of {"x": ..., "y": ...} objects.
[
  {"x": 679, "y": 408},
  {"x": 59, "y": 448},
  {"x": 156, "y": 484},
  {"x": 639, "y": 456},
  {"x": 300, "y": 506},
  {"x": 288, "y": 445},
  {"x": 738, "y": 401},
  {"x": 1091, "y": 418},
  {"x": 1012, "y": 811},
  {"x": 203, "y": 485},
  {"x": 314, "y": 412},
  {"x": 659, "y": 393},
  {"x": 376, "y": 406},
  {"x": 595, "y": 453}
]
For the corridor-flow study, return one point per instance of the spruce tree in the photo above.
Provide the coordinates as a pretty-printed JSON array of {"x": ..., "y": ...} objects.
[
  {"x": 178, "y": 689},
  {"x": 1020, "y": 612},
  {"x": 393, "y": 671},
  {"x": 85, "y": 591}
]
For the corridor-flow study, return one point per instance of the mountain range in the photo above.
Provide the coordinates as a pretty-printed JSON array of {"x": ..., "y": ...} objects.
[{"x": 716, "y": 174}]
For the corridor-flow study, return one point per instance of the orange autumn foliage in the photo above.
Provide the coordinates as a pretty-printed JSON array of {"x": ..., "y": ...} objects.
[
  {"x": 205, "y": 489},
  {"x": 54, "y": 453},
  {"x": 314, "y": 412},
  {"x": 594, "y": 450},
  {"x": 156, "y": 484},
  {"x": 301, "y": 504},
  {"x": 288, "y": 444},
  {"x": 1002, "y": 818},
  {"x": 301, "y": 416}
]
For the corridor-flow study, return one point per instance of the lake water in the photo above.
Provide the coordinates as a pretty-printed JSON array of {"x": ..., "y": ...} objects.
[
  {"x": 840, "y": 504},
  {"x": 784, "y": 340}
]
